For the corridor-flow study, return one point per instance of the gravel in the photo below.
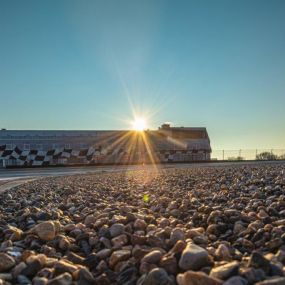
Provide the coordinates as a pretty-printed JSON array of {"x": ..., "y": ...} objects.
[{"x": 222, "y": 225}]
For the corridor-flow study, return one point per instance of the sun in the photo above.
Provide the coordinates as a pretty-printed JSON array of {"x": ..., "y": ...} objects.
[{"x": 139, "y": 124}]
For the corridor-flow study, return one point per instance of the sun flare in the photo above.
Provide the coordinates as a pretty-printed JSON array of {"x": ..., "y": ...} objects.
[{"x": 139, "y": 124}]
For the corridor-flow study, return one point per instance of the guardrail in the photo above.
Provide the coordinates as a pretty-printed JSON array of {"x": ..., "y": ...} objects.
[{"x": 248, "y": 154}]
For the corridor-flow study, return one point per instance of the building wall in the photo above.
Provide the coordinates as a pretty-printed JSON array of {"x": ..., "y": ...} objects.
[{"x": 43, "y": 148}]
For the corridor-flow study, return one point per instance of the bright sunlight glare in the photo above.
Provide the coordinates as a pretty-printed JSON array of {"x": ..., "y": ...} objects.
[{"x": 139, "y": 124}]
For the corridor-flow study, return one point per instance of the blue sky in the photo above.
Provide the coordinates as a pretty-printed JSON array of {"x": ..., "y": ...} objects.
[{"x": 87, "y": 64}]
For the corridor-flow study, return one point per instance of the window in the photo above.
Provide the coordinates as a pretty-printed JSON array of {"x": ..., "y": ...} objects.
[
  {"x": 55, "y": 145},
  {"x": 27, "y": 146},
  {"x": 83, "y": 146},
  {"x": 39, "y": 147},
  {"x": 67, "y": 146},
  {"x": 10, "y": 146}
]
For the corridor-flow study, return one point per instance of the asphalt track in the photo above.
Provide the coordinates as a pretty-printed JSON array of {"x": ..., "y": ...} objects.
[{"x": 28, "y": 173}]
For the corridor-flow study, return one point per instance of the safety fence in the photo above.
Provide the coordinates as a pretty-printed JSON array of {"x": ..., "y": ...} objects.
[{"x": 248, "y": 154}]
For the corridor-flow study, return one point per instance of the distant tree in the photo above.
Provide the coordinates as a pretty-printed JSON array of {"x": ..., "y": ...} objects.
[
  {"x": 235, "y": 158},
  {"x": 266, "y": 155},
  {"x": 282, "y": 156}
]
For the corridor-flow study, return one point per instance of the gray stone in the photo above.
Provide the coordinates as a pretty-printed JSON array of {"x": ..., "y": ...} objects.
[
  {"x": 85, "y": 277},
  {"x": 152, "y": 257},
  {"x": 273, "y": 281},
  {"x": 258, "y": 261},
  {"x": 116, "y": 230},
  {"x": 225, "y": 271},
  {"x": 196, "y": 278},
  {"x": 6, "y": 262},
  {"x": 236, "y": 280},
  {"x": 63, "y": 279},
  {"x": 158, "y": 276},
  {"x": 193, "y": 257}
]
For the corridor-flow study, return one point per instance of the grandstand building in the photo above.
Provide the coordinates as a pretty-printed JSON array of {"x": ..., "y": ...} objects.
[{"x": 43, "y": 148}]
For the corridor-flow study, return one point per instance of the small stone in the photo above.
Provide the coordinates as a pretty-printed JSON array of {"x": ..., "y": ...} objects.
[
  {"x": 63, "y": 243},
  {"x": 116, "y": 230},
  {"x": 223, "y": 253},
  {"x": 262, "y": 214},
  {"x": 225, "y": 271},
  {"x": 63, "y": 266},
  {"x": 273, "y": 281},
  {"x": 236, "y": 280},
  {"x": 169, "y": 263},
  {"x": 45, "y": 230},
  {"x": 63, "y": 279},
  {"x": 119, "y": 255},
  {"x": 104, "y": 253},
  {"x": 258, "y": 261},
  {"x": 196, "y": 278},
  {"x": 18, "y": 268},
  {"x": 74, "y": 258},
  {"x": 201, "y": 239},
  {"x": 15, "y": 233},
  {"x": 152, "y": 257},
  {"x": 128, "y": 276},
  {"x": 281, "y": 256},
  {"x": 146, "y": 267},
  {"x": 193, "y": 257},
  {"x": 176, "y": 235},
  {"x": 32, "y": 268},
  {"x": 178, "y": 247},
  {"x": 252, "y": 275},
  {"x": 85, "y": 277},
  {"x": 89, "y": 220},
  {"x": 6, "y": 276},
  {"x": 23, "y": 280},
  {"x": 6, "y": 262},
  {"x": 102, "y": 280},
  {"x": 238, "y": 227},
  {"x": 40, "y": 281},
  {"x": 158, "y": 276},
  {"x": 120, "y": 240},
  {"x": 140, "y": 224}
]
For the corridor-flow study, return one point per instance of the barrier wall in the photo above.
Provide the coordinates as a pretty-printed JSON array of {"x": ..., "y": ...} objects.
[{"x": 18, "y": 157}]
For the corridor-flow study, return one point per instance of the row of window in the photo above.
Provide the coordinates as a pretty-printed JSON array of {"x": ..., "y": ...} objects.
[{"x": 40, "y": 146}]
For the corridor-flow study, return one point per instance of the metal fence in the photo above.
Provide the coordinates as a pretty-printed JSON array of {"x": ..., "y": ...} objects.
[{"x": 249, "y": 154}]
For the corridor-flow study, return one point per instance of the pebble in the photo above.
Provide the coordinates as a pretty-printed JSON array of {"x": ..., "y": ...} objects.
[
  {"x": 258, "y": 261},
  {"x": 140, "y": 224},
  {"x": 225, "y": 271},
  {"x": 45, "y": 230},
  {"x": 119, "y": 255},
  {"x": 152, "y": 257},
  {"x": 85, "y": 277},
  {"x": 63, "y": 279},
  {"x": 157, "y": 276},
  {"x": 236, "y": 280},
  {"x": 197, "y": 278},
  {"x": 40, "y": 281},
  {"x": 6, "y": 262},
  {"x": 99, "y": 229},
  {"x": 193, "y": 257},
  {"x": 116, "y": 230},
  {"x": 223, "y": 253},
  {"x": 273, "y": 281}
]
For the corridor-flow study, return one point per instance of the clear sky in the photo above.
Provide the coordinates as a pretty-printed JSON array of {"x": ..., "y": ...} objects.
[{"x": 68, "y": 64}]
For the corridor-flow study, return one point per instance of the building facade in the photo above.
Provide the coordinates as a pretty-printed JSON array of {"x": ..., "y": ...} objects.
[{"x": 46, "y": 148}]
